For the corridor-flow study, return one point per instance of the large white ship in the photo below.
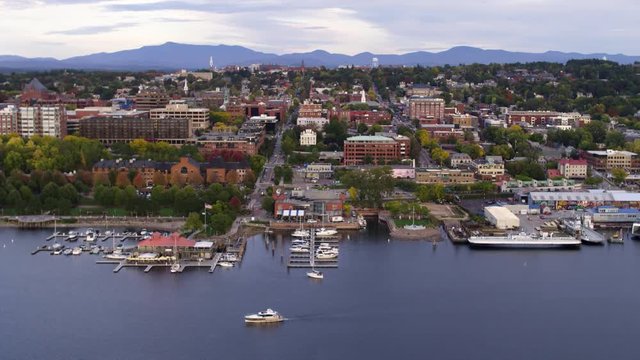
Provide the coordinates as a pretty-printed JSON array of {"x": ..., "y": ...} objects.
[
  {"x": 635, "y": 230},
  {"x": 525, "y": 240}
]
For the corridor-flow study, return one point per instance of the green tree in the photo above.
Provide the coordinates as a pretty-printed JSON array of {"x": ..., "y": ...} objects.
[
  {"x": 619, "y": 175},
  {"x": 439, "y": 155},
  {"x": 193, "y": 222}
]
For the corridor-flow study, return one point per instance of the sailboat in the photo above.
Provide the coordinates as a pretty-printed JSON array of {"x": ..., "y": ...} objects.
[
  {"x": 175, "y": 267},
  {"x": 314, "y": 274},
  {"x": 301, "y": 232},
  {"x": 116, "y": 254}
]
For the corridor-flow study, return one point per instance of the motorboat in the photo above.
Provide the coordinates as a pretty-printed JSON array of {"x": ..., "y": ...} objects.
[
  {"x": 300, "y": 233},
  {"x": 315, "y": 274},
  {"x": 264, "y": 317},
  {"x": 585, "y": 239},
  {"x": 57, "y": 246},
  {"x": 229, "y": 257},
  {"x": 143, "y": 232},
  {"x": 57, "y": 252},
  {"x": 91, "y": 236},
  {"x": 73, "y": 236},
  {"x": 299, "y": 249},
  {"x": 95, "y": 250},
  {"x": 225, "y": 264},
  {"x": 299, "y": 242},
  {"x": 67, "y": 252},
  {"x": 322, "y": 232},
  {"x": 175, "y": 268},
  {"x": 635, "y": 230},
  {"x": 76, "y": 251},
  {"x": 326, "y": 256},
  {"x": 116, "y": 256},
  {"x": 616, "y": 237}
]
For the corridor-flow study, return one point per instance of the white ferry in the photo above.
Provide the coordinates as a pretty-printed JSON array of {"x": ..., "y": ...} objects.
[
  {"x": 525, "y": 240},
  {"x": 264, "y": 317}
]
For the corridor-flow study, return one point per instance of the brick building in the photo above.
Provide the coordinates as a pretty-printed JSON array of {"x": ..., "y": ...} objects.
[
  {"x": 426, "y": 107},
  {"x": 147, "y": 100},
  {"x": 360, "y": 149},
  {"x": 124, "y": 126},
  {"x": 198, "y": 117}
]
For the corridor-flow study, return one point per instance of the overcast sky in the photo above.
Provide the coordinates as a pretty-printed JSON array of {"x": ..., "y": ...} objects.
[{"x": 64, "y": 28}]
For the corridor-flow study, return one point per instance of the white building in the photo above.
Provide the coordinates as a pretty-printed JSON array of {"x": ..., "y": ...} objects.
[
  {"x": 42, "y": 120},
  {"x": 317, "y": 123},
  {"x": 501, "y": 217},
  {"x": 308, "y": 137}
]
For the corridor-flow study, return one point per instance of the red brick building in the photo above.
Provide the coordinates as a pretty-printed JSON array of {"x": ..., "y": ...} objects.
[{"x": 361, "y": 149}]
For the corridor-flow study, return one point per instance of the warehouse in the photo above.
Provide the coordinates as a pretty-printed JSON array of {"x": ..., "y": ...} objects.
[{"x": 501, "y": 217}]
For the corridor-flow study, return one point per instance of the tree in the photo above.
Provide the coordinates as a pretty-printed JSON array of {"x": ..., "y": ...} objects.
[
  {"x": 288, "y": 145},
  {"x": 193, "y": 222},
  {"x": 619, "y": 175},
  {"x": 159, "y": 179},
  {"x": 235, "y": 203},
  {"x": 268, "y": 204},
  {"x": 257, "y": 163},
  {"x": 362, "y": 128},
  {"x": 122, "y": 179},
  {"x": 231, "y": 177},
  {"x": 138, "y": 181},
  {"x": 439, "y": 155}
]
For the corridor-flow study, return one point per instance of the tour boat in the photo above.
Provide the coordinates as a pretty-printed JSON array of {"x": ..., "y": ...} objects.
[
  {"x": 76, "y": 251},
  {"x": 315, "y": 274},
  {"x": 264, "y": 317},
  {"x": 225, "y": 264},
  {"x": 175, "y": 267},
  {"x": 322, "y": 232}
]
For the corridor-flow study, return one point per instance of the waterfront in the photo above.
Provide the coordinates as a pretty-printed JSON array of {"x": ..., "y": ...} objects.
[{"x": 387, "y": 299}]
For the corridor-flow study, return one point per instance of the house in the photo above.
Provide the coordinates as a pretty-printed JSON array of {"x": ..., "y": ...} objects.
[
  {"x": 460, "y": 160},
  {"x": 573, "y": 169},
  {"x": 308, "y": 137},
  {"x": 490, "y": 168}
]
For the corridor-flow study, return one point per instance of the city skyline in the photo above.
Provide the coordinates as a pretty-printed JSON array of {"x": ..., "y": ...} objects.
[{"x": 288, "y": 26}]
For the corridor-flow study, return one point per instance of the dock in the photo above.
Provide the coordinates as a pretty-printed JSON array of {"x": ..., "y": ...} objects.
[
  {"x": 309, "y": 260},
  {"x": 147, "y": 267}
]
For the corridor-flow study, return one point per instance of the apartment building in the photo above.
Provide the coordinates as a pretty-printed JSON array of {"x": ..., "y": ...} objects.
[
  {"x": 198, "y": 117},
  {"x": 605, "y": 160},
  {"x": 573, "y": 169}
]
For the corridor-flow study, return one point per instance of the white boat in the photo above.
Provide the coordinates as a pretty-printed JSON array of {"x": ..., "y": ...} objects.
[
  {"x": 57, "y": 252},
  {"x": 225, "y": 264},
  {"x": 91, "y": 236},
  {"x": 76, "y": 251},
  {"x": 591, "y": 240},
  {"x": 175, "y": 268},
  {"x": 322, "y": 232},
  {"x": 57, "y": 246},
  {"x": 95, "y": 250},
  {"x": 143, "y": 232},
  {"x": 525, "y": 240},
  {"x": 116, "y": 256},
  {"x": 264, "y": 317},
  {"x": 326, "y": 255},
  {"x": 635, "y": 230},
  {"x": 67, "y": 252},
  {"x": 301, "y": 233},
  {"x": 315, "y": 274},
  {"x": 73, "y": 236},
  {"x": 299, "y": 249}
]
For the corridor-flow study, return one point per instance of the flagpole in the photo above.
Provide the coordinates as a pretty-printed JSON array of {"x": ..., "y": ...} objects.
[{"x": 205, "y": 219}]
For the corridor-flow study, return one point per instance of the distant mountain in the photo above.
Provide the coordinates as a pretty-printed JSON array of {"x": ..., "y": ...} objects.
[{"x": 171, "y": 56}]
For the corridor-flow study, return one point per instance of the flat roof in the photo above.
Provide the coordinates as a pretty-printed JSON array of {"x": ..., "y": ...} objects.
[{"x": 369, "y": 138}]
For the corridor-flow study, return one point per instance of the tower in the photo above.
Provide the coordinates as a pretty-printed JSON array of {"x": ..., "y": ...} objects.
[
  {"x": 302, "y": 67},
  {"x": 211, "y": 63},
  {"x": 375, "y": 63},
  {"x": 186, "y": 87},
  {"x": 363, "y": 96}
]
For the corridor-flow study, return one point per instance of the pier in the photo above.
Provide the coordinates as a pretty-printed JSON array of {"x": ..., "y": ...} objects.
[
  {"x": 147, "y": 267},
  {"x": 309, "y": 259}
]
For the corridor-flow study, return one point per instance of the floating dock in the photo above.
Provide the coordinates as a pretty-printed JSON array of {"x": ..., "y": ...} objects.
[
  {"x": 523, "y": 240},
  {"x": 120, "y": 264}
]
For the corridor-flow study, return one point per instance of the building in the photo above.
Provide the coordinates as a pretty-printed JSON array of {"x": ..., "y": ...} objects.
[
  {"x": 444, "y": 176},
  {"x": 605, "y": 160},
  {"x": 425, "y": 107},
  {"x": 310, "y": 110},
  {"x": 460, "y": 160},
  {"x": 9, "y": 120},
  {"x": 308, "y": 203},
  {"x": 198, "y": 117},
  {"x": 583, "y": 199},
  {"x": 368, "y": 117},
  {"x": 42, "y": 120},
  {"x": 422, "y": 90},
  {"x": 316, "y": 122},
  {"x": 519, "y": 186},
  {"x": 501, "y": 217},
  {"x": 146, "y": 100},
  {"x": 490, "y": 168},
  {"x": 614, "y": 215},
  {"x": 151, "y": 171},
  {"x": 573, "y": 169},
  {"x": 464, "y": 120},
  {"x": 375, "y": 149},
  {"x": 532, "y": 118},
  {"x": 308, "y": 137},
  {"x": 166, "y": 246},
  {"x": 124, "y": 126},
  {"x": 318, "y": 171}
]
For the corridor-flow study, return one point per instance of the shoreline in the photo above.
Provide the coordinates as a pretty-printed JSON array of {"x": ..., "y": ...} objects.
[{"x": 165, "y": 224}]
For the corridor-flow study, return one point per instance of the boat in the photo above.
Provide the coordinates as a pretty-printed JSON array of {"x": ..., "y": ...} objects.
[
  {"x": 362, "y": 222},
  {"x": 143, "y": 232},
  {"x": 616, "y": 238},
  {"x": 322, "y": 232},
  {"x": 175, "y": 267},
  {"x": 315, "y": 274},
  {"x": 635, "y": 230},
  {"x": 326, "y": 255},
  {"x": 589, "y": 240},
  {"x": 300, "y": 233},
  {"x": 73, "y": 236},
  {"x": 299, "y": 249},
  {"x": 264, "y": 317},
  {"x": 57, "y": 251},
  {"x": 67, "y": 252},
  {"x": 76, "y": 251},
  {"x": 116, "y": 256},
  {"x": 525, "y": 240},
  {"x": 225, "y": 264},
  {"x": 91, "y": 236}
]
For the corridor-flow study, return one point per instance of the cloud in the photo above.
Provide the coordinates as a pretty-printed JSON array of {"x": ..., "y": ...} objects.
[{"x": 92, "y": 30}]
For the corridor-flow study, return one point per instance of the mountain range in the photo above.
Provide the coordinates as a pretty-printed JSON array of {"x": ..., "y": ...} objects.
[{"x": 172, "y": 56}]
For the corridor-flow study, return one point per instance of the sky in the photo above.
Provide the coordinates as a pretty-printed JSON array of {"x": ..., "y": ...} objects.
[{"x": 65, "y": 28}]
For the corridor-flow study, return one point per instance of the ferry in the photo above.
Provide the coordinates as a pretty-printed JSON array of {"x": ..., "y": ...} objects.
[
  {"x": 264, "y": 317},
  {"x": 635, "y": 230},
  {"x": 525, "y": 240}
]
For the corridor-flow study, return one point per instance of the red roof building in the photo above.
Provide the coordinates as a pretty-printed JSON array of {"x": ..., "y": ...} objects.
[{"x": 158, "y": 241}]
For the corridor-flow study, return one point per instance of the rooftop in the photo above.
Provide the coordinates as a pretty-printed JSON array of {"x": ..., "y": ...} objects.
[
  {"x": 157, "y": 240},
  {"x": 367, "y": 138}
]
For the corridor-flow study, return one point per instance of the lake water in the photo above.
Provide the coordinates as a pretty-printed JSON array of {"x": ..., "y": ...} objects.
[{"x": 387, "y": 300}]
